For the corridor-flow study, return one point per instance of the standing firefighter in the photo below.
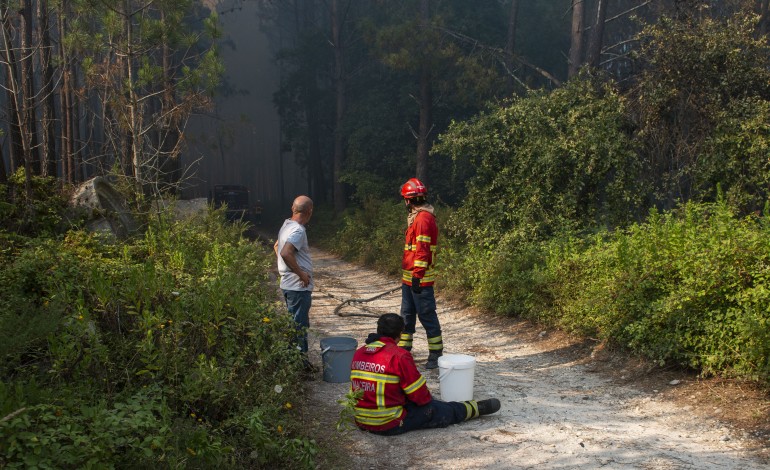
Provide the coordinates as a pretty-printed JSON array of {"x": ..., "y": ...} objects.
[{"x": 417, "y": 297}]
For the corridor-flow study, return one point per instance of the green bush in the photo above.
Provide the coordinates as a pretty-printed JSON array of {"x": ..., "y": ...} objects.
[
  {"x": 372, "y": 234},
  {"x": 173, "y": 339},
  {"x": 687, "y": 287},
  {"x": 702, "y": 109},
  {"x": 82, "y": 434},
  {"x": 546, "y": 163},
  {"x": 41, "y": 211},
  {"x": 503, "y": 279},
  {"x": 735, "y": 156},
  {"x": 558, "y": 179}
]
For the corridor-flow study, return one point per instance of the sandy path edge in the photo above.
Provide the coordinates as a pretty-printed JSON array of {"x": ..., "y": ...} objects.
[{"x": 557, "y": 411}]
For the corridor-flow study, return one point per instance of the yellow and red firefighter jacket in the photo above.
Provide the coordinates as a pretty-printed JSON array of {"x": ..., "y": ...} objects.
[
  {"x": 388, "y": 377},
  {"x": 420, "y": 246}
]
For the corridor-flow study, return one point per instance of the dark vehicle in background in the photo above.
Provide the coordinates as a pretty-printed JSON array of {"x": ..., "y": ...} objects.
[{"x": 236, "y": 197}]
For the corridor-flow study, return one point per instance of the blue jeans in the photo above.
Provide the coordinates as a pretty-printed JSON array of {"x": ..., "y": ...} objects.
[
  {"x": 436, "y": 414},
  {"x": 298, "y": 302},
  {"x": 422, "y": 306}
]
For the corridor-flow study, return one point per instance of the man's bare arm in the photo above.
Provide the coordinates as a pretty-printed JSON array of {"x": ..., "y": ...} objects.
[{"x": 288, "y": 253}]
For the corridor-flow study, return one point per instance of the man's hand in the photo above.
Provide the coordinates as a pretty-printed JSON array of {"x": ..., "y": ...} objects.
[
  {"x": 304, "y": 278},
  {"x": 416, "y": 285}
]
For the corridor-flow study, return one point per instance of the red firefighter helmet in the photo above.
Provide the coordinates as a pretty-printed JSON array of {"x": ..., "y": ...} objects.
[{"x": 413, "y": 188}]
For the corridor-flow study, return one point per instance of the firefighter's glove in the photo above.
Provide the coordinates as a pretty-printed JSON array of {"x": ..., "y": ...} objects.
[{"x": 416, "y": 285}]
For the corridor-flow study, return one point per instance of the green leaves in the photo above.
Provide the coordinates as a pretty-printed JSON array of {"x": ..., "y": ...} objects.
[
  {"x": 114, "y": 347},
  {"x": 547, "y": 162},
  {"x": 702, "y": 110},
  {"x": 75, "y": 434},
  {"x": 688, "y": 287},
  {"x": 372, "y": 234}
]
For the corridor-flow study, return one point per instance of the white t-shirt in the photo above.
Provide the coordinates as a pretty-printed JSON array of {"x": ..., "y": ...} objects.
[{"x": 293, "y": 232}]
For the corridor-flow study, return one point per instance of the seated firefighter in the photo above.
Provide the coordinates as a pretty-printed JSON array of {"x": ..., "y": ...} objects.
[{"x": 395, "y": 396}]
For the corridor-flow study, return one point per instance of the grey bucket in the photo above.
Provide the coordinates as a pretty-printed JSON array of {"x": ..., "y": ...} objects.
[{"x": 336, "y": 355}]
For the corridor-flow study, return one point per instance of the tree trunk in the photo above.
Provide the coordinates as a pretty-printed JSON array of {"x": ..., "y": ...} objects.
[
  {"x": 17, "y": 90},
  {"x": 77, "y": 144},
  {"x": 339, "y": 81},
  {"x": 763, "y": 17},
  {"x": 28, "y": 86},
  {"x": 17, "y": 96},
  {"x": 576, "y": 43},
  {"x": 510, "y": 43},
  {"x": 67, "y": 140},
  {"x": 3, "y": 174},
  {"x": 105, "y": 125},
  {"x": 169, "y": 133},
  {"x": 597, "y": 35},
  {"x": 426, "y": 103},
  {"x": 317, "y": 186},
  {"x": 49, "y": 107},
  {"x": 116, "y": 141},
  {"x": 133, "y": 105},
  {"x": 16, "y": 145},
  {"x": 65, "y": 100}
]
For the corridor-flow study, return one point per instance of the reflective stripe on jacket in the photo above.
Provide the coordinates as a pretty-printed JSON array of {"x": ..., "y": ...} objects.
[
  {"x": 420, "y": 246},
  {"x": 387, "y": 376}
]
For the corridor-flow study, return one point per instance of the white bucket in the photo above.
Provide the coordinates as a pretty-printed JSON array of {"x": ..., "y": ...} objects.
[{"x": 456, "y": 376}]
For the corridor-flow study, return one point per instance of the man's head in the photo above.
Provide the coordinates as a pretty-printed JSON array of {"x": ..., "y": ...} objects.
[
  {"x": 390, "y": 325},
  {"x": 414, "y": 192},
  {"x": 302, "y": 209}
]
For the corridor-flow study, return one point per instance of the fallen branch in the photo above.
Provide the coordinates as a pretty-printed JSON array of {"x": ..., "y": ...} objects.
[{"x": 13, "y": 415}]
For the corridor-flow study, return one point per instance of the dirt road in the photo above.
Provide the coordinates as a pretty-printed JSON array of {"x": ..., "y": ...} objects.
[{"x": 560, "y": 409}]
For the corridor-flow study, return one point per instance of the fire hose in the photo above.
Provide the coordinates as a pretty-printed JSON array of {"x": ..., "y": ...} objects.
[{"x": 372, "y": 312}]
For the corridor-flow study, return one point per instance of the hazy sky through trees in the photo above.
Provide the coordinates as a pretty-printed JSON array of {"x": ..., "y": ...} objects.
[{"x": 238, "y": 143}]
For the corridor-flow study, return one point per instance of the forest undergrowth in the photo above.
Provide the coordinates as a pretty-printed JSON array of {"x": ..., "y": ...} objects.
[
  {"x": 685, "y": 288},
  {"x": 165, "y": 350}
]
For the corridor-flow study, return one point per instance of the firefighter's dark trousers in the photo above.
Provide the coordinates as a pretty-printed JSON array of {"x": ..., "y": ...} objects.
[
  {"x": 436, "y": 414},
  {"x": 422, "y": 306}
]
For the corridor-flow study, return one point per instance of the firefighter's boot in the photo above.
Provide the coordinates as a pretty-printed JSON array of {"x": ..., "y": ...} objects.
[
  {"x": 435, "y": 350},
  {"x": 405, "y": 341},
  {"x": 474, "y": 408},
  {"x": 489, "y": 406},
  {"x": 433, "y": 359}
]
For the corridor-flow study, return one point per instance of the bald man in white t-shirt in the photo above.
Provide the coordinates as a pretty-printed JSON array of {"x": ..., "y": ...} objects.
[{"x": 296, "y": 268}]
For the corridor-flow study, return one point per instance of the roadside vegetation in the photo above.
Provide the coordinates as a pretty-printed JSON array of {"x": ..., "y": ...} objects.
[
  {"x": 636, "y": 216},
  {"x": 688, "y": 287},
  {"x": 166, "y": 350},
  {"x": 627, "y": 203}
]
